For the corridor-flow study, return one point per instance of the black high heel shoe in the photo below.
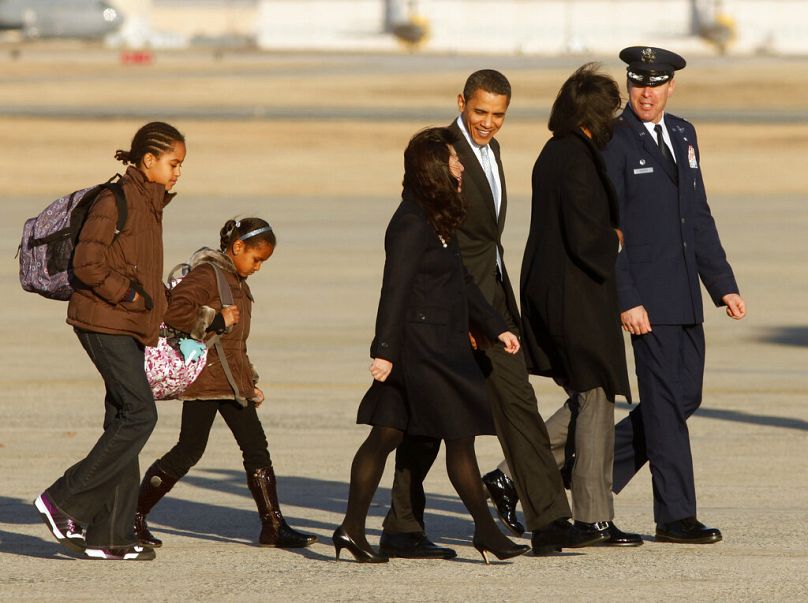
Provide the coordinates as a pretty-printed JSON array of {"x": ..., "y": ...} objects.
[
  {"x": 508, "y": 552},
  {"x": 341, "y": 541}
]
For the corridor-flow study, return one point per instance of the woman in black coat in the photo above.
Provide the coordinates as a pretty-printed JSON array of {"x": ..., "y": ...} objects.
[
  {"x": 426, "y": 381},
  {"x": 571, "y": 323}
]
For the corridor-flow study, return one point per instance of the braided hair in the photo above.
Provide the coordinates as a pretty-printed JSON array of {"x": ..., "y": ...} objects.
[
  {"x": 251, "y": 231},
  {"x": 156, "y": 138}
]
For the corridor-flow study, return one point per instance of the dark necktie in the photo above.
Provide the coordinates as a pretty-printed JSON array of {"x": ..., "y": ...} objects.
[{"x": 664, "y": 148}]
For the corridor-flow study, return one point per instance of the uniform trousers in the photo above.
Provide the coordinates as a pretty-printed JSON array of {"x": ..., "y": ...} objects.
[
  {"x": 522, "y": 435},
  {"x": 670, "y": 371},
  {"x": 101, "y": 490}
]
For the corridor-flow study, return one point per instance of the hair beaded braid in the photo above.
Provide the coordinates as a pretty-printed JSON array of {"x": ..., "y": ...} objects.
[
  {"x": 156, "y": 138},
  {"x": 234, "y": 230}
]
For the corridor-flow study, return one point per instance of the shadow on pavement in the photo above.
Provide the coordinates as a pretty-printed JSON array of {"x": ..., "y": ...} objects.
[
  {"x": 786, "y": 335},
  {"x": 742, "y": 417},
  {"x": 220, "y": 523}
]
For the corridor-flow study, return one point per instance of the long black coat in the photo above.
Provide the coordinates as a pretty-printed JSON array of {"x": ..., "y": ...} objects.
[
  {"x": 570, "y": 318},
  {"x": 427, "y": 299}
]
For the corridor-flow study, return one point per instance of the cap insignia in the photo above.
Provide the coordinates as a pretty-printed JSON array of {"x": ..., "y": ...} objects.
[{"x": 648, "y": 55}]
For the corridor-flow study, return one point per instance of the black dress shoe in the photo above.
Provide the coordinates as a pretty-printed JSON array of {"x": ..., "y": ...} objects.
[
  {"x": 412, "y": 545},
  {"x": 561, "y": 534},
  {"x": 687, "y": 531},
  {"x": 616, "y": 537},
  {"x": 566, "y": 471},
  {"x": 503, "y": 493}
]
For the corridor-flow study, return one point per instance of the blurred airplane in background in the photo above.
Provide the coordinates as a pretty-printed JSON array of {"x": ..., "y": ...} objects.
[{"x": 82, "y": 19}]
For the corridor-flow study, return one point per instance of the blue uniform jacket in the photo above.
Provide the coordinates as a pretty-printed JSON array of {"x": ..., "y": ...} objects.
[{"x": 670, "y": 236}]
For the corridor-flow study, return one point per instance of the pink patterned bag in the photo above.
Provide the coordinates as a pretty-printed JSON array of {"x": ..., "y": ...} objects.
[{"x": 167, "y": 371}]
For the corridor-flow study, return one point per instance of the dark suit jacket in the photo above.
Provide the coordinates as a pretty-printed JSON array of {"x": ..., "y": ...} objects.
[
  {"x": 570, "y": 323},
  {"x": 481, "y": 232},
  {"x": 670, "y": 234}
]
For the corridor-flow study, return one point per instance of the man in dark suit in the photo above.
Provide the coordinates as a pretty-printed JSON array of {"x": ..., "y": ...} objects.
[
  {"x": 671, "y": 242},
  {"x": 520, "y": 429}
]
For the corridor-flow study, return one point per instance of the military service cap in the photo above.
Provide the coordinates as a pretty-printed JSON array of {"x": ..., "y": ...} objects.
[{"x": 649, "y": 66}]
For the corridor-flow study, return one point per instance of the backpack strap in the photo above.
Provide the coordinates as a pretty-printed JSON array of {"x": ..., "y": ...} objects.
[
  {"x": 226, "y": 297},
  {"x": 120, "y": 199}
]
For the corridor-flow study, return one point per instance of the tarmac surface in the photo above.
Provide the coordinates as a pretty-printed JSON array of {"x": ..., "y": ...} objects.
[{"x": 329, "y": 186}]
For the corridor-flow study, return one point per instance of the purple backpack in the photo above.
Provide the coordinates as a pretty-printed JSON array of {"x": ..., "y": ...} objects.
[{"x": 48, "y": 240}]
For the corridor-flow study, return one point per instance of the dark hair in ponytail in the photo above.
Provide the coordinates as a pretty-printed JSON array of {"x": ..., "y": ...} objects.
[
  {"x": 252, "y": 231},
  {"x": 156, "y": 138}
]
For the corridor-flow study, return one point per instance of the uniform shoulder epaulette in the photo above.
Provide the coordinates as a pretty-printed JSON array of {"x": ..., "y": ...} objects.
[{"x": 673, "y": 117}]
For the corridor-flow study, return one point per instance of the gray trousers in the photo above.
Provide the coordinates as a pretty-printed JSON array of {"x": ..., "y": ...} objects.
[{"x": 585, "y": 425}]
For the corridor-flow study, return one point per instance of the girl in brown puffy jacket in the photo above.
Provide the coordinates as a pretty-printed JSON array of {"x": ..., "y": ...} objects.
[
  {"x": 115, "y": 311},
  {"x": 196, "y": 309}
]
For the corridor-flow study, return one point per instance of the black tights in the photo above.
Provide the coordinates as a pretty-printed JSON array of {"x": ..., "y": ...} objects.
[{"x": 461, "y": 465}]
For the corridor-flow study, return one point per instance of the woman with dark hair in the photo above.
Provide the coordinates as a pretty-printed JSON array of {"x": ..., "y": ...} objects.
[
  {"x": 570, "y": 318},
  {"x": 426, "y": 381}
]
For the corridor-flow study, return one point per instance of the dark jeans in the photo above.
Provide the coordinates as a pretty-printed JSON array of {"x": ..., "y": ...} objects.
[
  {"x": 101, "y": 490},
  {"x": 197, "y": 419}
]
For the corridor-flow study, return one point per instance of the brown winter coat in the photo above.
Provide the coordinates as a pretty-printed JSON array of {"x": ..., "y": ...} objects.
[
  {"x": 193, "y": 306},
  {"x": 108, "y": 265}
]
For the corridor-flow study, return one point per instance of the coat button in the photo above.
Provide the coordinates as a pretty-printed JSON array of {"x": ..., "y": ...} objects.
[
  {"x": 384, "y": 344},
  {"x": 421, "y": 316},
  {"x": 685, "y": 244},
  {"x": 683, "y": 220}
]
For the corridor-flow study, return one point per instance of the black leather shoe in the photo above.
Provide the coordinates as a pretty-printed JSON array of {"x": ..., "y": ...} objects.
[
  {"x": 503, "y": 493},
  {"x": 566, "y": 471},
  {"x": 687, "y": 531},
  {"x": 561, "y": 534},
  {"x": 616, "y": 537},
  {"x": 412, "y": 545}
]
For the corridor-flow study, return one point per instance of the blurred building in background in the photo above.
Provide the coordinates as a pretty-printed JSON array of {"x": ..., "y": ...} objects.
[{"x": 480, "y": 26}]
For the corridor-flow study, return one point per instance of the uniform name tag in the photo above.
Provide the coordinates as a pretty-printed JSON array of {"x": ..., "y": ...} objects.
[{"x": 648, "y": 170}]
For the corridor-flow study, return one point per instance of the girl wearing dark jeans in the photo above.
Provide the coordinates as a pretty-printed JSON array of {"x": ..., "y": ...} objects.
[{"x": 116, "y": 311}]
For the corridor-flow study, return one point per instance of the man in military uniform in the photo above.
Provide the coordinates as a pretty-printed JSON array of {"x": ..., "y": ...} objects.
[{"x": 671, "y": 242}]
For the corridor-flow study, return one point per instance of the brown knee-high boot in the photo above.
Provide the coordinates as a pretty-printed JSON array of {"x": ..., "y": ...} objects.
[
  {"x": 156, "y": 483},
  {"x": 274, "y": 529}
]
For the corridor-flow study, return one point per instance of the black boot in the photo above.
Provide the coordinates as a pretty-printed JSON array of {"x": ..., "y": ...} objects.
[
  {"x": 156, "y": 483},
  {"x": 274, "y": 529}
]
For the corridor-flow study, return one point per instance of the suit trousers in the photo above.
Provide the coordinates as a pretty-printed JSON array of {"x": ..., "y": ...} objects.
[
  {"x": 414, "y": 458},
  {"x": 521, "y": 430},
  {"x": 101, "y": 490},
  {"x": 670, "y": 371},
  {"x": 585, "y": 425}
]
